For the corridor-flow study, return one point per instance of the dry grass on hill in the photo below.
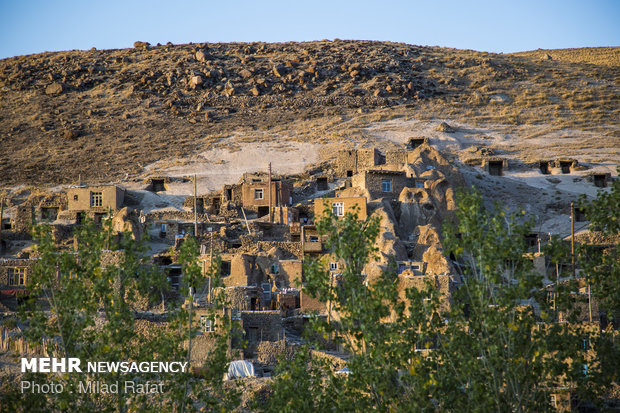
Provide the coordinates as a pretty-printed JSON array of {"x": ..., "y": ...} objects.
[{"x": 116, "y": 111}]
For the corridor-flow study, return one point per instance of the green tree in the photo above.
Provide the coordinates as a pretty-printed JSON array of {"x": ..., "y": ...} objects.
[
  {"x": 601, "y": 263},
  {"x": 85, "y": 305},
  {"x": 497, "y": 347}
]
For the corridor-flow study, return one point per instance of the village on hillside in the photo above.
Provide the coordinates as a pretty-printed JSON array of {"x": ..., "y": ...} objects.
[{"x": 263, "y": 229}]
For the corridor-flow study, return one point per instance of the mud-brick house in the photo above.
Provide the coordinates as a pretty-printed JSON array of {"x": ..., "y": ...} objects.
[
  {"x": 381, "y": 183},
  {"x": 14, "y": 275},
  {"x": 255, "y": 193},
  {"x": 340, "y": 206},
  {"x": 95, "y": 198}
]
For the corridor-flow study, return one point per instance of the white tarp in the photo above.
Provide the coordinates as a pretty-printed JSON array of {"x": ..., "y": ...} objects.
[{"x": 239, "y": 368}]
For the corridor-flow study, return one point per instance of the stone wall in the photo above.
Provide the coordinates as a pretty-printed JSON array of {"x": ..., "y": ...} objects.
[
  {"x": 368, "y": 158},
  {"x": 268, "y": 352},
  {"x": 24, "y": 219},
  {"x": 396, "y": 157},
  {"x": 346, "y": 163},
  {"x": 240, "y": 298},
  {"x": 310, "y": 304}
]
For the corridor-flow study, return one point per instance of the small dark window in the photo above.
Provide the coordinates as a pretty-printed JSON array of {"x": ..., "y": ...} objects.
[
  {"x": 531, "y": 240},
  {"x": 158, "y": 185},
  {"x": 544, "y": 167},
  {"x": 6, "y": 224},
  {"x": 75, "y": 197},
  {"x": 262, "y": 211},
  {"x": 600, "y": 181},
  {"x": 565, "y": 166},
  {"x": 415, "y": 142},
  {"x": 225, "y": 268},
  {"x": 495, "y": 168},
  {"x": 580, "y": 215},
  {"x": 49, "y": 214},
  {"x": 349, "y": 173}
]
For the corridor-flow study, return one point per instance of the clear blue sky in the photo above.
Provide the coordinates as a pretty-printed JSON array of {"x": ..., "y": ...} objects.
[{"x": 488, "y": 25}]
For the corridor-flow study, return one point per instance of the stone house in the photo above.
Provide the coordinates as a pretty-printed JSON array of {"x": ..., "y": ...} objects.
[
  {"x": 381, "y": 183},
  {"x": 261, "y": 326},
  {"x": 340, "y": 206},
  {"x": 14, "y": 275},
  {"x": 350, "y": 162}
]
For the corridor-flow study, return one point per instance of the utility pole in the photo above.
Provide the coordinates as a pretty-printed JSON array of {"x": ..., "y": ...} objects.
[
  {"x": 195, "y": 209},
  {"x": 572, "y": 238},
  {"x": 269, "y": 183},
  {"x": 1, "y": 218}
]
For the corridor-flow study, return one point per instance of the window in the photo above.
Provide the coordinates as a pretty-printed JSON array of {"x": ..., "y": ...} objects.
[
  {"x": 75, "y": 197},
  {"x": 235, "y": 314},
  {"x": 338, "y": 209},
  {"x": 258, "y": 194},
  {"x": 17, "y": 276},
  {"x": 266, "y": 291},
  {"x": 275, "y": 269},
  {"x": 419, "y": 184},
  {"x": 553, "y": 401},
  {"x": 314, "y": 238},
  {"x": 225, "y": 268},
  {"x": 206, "y": 324},
  {"x": 415, "y": 267},
  {"x": 6, "y": 224},
  {"x": 96, "y": 199},
  {"x": 386, "y": 185},
  {"x": 333, "y": 266}
]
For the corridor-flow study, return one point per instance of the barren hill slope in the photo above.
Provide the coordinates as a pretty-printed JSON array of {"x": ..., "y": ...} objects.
[{"x": 111, "y": 113}]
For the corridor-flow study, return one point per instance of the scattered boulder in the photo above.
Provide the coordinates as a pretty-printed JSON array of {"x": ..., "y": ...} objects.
[
  {"x": 141, "y": 45},
  {"x": 70, "y": 134},
  {"x": 195, "y": 82},
  {"x": 201, "y": 56},
  {"x": 279, "y": 70},
  {"x": 444, "y": 127},
  {"x": 255, "y": 91},
  {"x": 54, "y": 89},
  {"x": 245, "y": 73},
  {"x": 229, "y": 89}
]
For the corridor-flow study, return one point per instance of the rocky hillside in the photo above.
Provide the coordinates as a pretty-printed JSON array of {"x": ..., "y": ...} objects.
[{"x": 106, "y": 114}]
